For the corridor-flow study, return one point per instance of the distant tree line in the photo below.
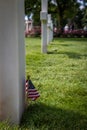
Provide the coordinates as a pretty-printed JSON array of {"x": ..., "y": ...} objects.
[{"x": 63, "y": 12}]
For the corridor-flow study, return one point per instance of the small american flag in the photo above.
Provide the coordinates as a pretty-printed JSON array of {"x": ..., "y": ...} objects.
[{"x": 31, "y": 91}]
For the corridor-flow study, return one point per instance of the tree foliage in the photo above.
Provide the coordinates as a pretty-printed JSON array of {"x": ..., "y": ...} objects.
[
  {"x": 63, "y": 11},
  {"x": 34, "y": 7}
]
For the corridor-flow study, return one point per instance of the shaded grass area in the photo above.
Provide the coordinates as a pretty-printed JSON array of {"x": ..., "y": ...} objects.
[
  {"x": 61, "y": 78},
  {"x": 42, "y": 116}
]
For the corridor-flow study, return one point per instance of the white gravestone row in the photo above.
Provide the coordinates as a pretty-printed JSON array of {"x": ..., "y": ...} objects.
[{"x": 46, "y": 27}]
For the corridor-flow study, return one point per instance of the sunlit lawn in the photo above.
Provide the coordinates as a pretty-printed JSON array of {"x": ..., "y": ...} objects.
[{"x": 61, "y": 78}]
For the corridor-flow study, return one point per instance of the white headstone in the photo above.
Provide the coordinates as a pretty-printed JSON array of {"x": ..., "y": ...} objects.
[
  {"x": 26, "y": 25},
  {"x": 12, "y": 60},
  {"x": 44, "y": 5},
  {"x": 43, "y": 17},
  {"x": 49, "y": 29}
]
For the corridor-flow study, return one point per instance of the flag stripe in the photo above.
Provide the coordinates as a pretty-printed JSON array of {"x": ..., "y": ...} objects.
[
  {"x": 32, "y": 90},
  {"x": 31, "y": 96},
  {"x": 31, "y": 93}
]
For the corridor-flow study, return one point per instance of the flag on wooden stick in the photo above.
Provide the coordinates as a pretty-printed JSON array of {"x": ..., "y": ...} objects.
[{"x": 31, "y": 91}]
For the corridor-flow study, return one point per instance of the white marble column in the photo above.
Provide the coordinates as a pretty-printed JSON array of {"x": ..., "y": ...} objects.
[
  {"x": 12, "y": 60},
  {"x": 49, "y": 29},
  {"x": 43, "y": 17},
  {"x": 27, "y": 27}
]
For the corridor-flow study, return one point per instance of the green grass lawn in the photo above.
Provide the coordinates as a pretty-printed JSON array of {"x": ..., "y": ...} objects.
[{"x": 61, "y": 78}]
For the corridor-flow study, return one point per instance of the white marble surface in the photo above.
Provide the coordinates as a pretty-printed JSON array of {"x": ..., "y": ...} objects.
[{"x": 12, "y": 60}]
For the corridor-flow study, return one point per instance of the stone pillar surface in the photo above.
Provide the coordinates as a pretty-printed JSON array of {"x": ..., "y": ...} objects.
[
  {"x": 43, "y": 17},
  {"x": 12, "y": 60},
  {"x": 49, "y": 29},
  {"x": 26, "y": 24}
]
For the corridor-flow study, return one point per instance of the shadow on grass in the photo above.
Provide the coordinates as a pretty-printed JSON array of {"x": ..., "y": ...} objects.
[
  {"x": 65, "y": 45},
  {"x": 71, "y": 39},
  {"x": 69, "y": 54},
  {"x": 40, "y": 116}
]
